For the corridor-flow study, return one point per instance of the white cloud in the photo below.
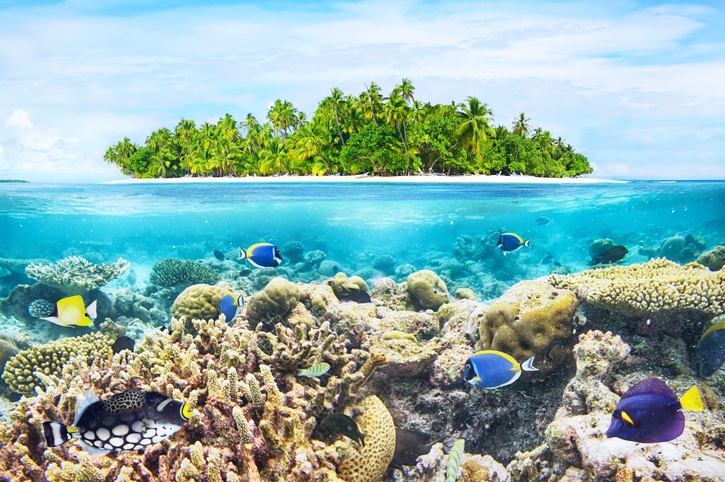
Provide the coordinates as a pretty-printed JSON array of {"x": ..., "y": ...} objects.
[{"x": 19, "y": 119}]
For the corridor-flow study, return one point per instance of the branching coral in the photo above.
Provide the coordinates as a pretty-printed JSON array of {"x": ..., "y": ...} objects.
[
  {"x": 76, "y": 275},
  {"x": 171, "y": 272},
  {"x": 650, "y": 287}
]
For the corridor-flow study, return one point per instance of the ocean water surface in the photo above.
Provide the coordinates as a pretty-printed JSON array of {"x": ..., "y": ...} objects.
[{"x": 445, "y": 227}]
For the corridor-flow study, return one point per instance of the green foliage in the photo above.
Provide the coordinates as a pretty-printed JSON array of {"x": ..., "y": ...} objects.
[{"x": 369, "y": 133}]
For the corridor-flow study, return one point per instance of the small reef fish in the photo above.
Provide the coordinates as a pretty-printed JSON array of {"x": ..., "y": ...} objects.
[
  {"x": 262, "y": 255},
  {"x": 454, "y": 460},
  {"x": 342, "y": 424},
  {"x": 230, "y": 304},
  {"x": 710, "y": 349},
  {"x": 316, "y": 370},
  {"x": 71, "y": 311},
  {"x": 409, "y": 445},
  {"x": 543, "y": 221},
  {"x": 510, "y": 242},
  {"x": 123, "y": 342},
  {"x": 612, "y": 255},
  {"x": 549, "y": 259},
  {"x": 491, "y": 369},
  {"x": 650, "y": 412},
  {"x": 218, "y": 255},
  {"x": 127, "y": 421}
]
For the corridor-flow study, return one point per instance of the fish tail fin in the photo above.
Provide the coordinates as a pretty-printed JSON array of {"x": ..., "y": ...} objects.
[
  {"x": 528, "y": 365},
  {"x": 527, "y": 243},
  {"x": 55, "y": 434},
  {"x": 691, "y": 399},
  {"x": 242, "y": 253},
  {"x": 92, "y": 309}
]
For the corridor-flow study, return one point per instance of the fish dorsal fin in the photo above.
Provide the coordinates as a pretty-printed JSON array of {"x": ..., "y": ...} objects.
[
  {"x": 691, "y": 399},
  {"x": 83, "y": 401},
  {"x": 651, "y": 386}
]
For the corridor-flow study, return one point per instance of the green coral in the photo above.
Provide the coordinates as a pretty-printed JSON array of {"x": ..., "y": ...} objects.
[
  {"x": 531, "y": 319},
  {"x": 76, "y": 275},
  {"x": 426, "y": 290},
  {"x": 172, "y": 272},
  {"x": 274, "y": 302},
  {"x": 21, "y": 371}
]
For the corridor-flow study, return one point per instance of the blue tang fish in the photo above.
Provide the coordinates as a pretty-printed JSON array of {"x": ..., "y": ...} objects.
[
  {"x": 262, "y": 255},
  {"x": 71, "y": 311},
  {"x": 510, "y": 242},
  {"x": 230, "y": 304},
  {"x": 493, "y": 369},
  {"x": 650, "y": 412},
  {"x": 711, "y": 349}
]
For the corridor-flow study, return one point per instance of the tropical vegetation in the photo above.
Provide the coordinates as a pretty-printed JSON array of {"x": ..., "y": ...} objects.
[{"x": 369, "y": 133}]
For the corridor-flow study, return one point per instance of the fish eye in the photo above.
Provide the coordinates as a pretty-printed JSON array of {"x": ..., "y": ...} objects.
[{"x": 151, "y": 401}]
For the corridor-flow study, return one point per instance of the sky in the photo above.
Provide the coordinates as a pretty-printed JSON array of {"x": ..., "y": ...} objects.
[{"x": 635, "y": 85}]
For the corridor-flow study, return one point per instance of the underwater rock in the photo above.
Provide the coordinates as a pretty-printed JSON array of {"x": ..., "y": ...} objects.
[
  {"x": 465, "y": 294},
  {"x": 389, "y": 293},
  {"x": 531, "y": 319},
  {"x": 17, "y": 302},
  {"x": 273, "y": 303},
  {"x": 713, "y": 259},
  {"x": 406, "y": 358},
  {"x": 426, "y": 290}
]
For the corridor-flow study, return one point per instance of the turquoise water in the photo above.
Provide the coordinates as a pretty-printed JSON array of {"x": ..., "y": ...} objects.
[{"x": 423, "y": 225}]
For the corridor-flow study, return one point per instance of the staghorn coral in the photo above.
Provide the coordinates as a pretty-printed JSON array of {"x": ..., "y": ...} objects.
[
  {"x": 650, "y": 287},
  {"x": 273, "y": 303},
  {"x": 172, "y": 272},
  {"x": 26, "y": 370},
  {"x": 426, "y": 290},
  {"x": 531, "y": 319},
  {"x": 370, "y": 461},
  {"x": 76, "y": 275}
]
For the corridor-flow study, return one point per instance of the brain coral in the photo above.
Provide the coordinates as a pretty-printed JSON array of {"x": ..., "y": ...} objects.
[
  {"x": 198, "y": 302},
  {"x": 172, "y": 272},
  {"x": 369, "y": 462},
  {"x": 426, "y": 290},
  {"x": 275, "y": 301},
  {"x": 531, "y": 319},
  {"x": 650, "y": 287},
  {"x": 20, "y": 370}
]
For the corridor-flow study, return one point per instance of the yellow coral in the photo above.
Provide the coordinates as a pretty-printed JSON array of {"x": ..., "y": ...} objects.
[
  {"x": 198, "y": 302},
  {"x": 650, "y": 287},
  {"x": 426, "y": 290},
  {"x": 49, "y": 359},
  {"x": 531, "y": 319},
  {"x": 369, "y": 462},
  {"x": 276, "y": 300}
]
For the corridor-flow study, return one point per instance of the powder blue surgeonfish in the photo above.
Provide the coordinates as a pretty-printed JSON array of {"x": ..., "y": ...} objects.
[
  {"x": 650, "y": 412},
  {"x": 262, "y": 255},
  {"x": 493, "y": 369},
  {"x": 230, "y": 304},
  {"x": 711, "y": 349},
  {"x": 510, "y": 242}
]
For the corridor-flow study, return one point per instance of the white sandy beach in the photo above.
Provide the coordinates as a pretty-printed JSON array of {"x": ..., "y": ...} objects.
[{"x": 470, "y": 179}]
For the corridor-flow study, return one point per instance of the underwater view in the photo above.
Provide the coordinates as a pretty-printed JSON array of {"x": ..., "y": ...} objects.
[{"x": 235, "y": 331}]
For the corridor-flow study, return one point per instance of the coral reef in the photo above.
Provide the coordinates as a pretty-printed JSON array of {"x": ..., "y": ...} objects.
[
  {"x": 76, "y": 275},
  {"x": 426, "y": 290},
  {"x": 294, "y": 251},
  {"x": 654, "y": 286},
  {"x": 40, "y": 308},
  {"x": 181, "y": 273},
  {"x": 385, "y": 264},
  {"x": 30, "y": 368},
  {"x": 274, "y": 302},
  {"x": 531, "y": 319},
  {"x": 199, "y": 302}
]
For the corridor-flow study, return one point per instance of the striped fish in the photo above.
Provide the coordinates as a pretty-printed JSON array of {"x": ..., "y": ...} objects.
[
  {"x": 316, "y": 370},
  {"x": 454, "y": 460}
]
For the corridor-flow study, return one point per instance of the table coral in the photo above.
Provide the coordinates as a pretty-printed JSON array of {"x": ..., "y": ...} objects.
[
  {"x": 531, "y": 319},
  {"x": 76, "y": 275},
  {"x": 650, "y": 287},
  {"x": 368, "y": 463}
]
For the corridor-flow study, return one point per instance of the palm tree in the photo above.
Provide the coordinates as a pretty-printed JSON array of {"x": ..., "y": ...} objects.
[
  {"x": 160, "y": 144},
  {"x": 397, "y": 112},
  {"x": 522, "y": 129},
  {"x": 283, "y": 116},
  {"x": 336, "y": 100},
  {"x": 371, "y": 101},
  {"x": 474, "y": 129}
]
